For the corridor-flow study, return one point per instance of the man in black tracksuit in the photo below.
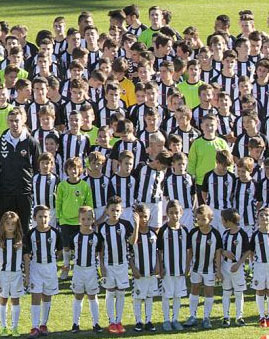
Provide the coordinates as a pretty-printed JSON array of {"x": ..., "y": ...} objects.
[{"x": 19, "y": 154}]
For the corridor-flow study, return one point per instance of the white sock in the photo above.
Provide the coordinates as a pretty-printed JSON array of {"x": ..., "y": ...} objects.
[
  {"x": 67, "y": 258},
  {"x": 120, "y": 296},
  {"x": 226, "y": 302},
  {"x": 110, "y": 306},
  {"x": 15, "y": 314},
  {"x": 166, "y": 310},
  {"x": 176, "y": 307},
  {"x": 148, "y": 309},
  {"x": 3, "y": 315},
  {"x": 208, "y": 304},
  {"x": 45, "y": 312},
  {"x": 137, "y": 310},
  {"x": 239, "y": 304},
  {"x": 77, "y": 307},
  {"x": 35, "y": 313},
  {"x": 94, "y": 309},
  {"x": 260, "y": 304},
  {"x": 194, "y": 301}
]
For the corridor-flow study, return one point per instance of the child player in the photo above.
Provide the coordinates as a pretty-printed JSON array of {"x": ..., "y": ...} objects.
[
  {"x": 113, "y": 234},
  {"x": 259, "y": 247},
  {"x": 85, "y": 279},
  {"x": 42, "y": 243},
  {"x": 179, "y": 185},
  {"x": 235, "y": 251},
  {"x": 172, "y": 246},
  {"x": 205, "y": 253},
  {"x": 144, "y": 264},
  {"x": 71, "y": 194}
]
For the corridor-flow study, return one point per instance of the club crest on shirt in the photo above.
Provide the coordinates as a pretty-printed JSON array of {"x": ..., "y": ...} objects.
[
  {"x": 49, "y": 240},
  {"x": 130, "y": 185},
  {"x": 119, "y": 231},
  {"x": 90, "y": 241},
  {"x": 23, "y": 152},
  {"x": 236, "y": 242},
  {"x": 248, "y": 190},
  {"x": 77, "y": 193},
  {"x": 137, "y": 292},
  {"x": 209, "y": 242},
  {"x": 151, "y": 240},
  {"x": 256, "y": 282},
  {"x": 103, "y": 185},
  {"x": 226, "y": 183}
]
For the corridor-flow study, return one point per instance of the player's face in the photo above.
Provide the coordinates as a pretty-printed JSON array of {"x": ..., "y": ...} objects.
[
  {"x": 206, "y": 96},
  {"x": 59, "y": 28},
  {"x": 76, "y": 73},
  {"x": 127, "y": 165},
  {"x": 11, "y": 43},
  {"x": 105, "y": 68},
  {"x": 180, "y": 166},
  {"x": 266, "y": 171},
  {"x": 113, "y": 97},
  {"x": 3, "y": 96},
  {"x": 86, "y": 219},
  {"x": 74, "y": 40},
  {"x": 144, "y": 218},
  {"x": 263, "y": 217},
  {"x": 11, "y": 79},
  {"x": 205, "y": 59},
  {"x": 15, "y": 124},
  {"x": 10, "y": 225},
  {"x": 129, "y": 19},
  {"x": 209, "y": 126},
  {"x": 16, "y": 58},
  {"x": 225, "y": 103},
  {"x": 245, "y": 87},
  {"x": 164, "y": 73},
  {"x": 183, "y": 119},
  {"x": 43, "y": 63},
  {"x": 244, "y": 49},
  {"x": 73, "y": 172},
  {"x": 156, "y": 17},
  {"x": 87, "y": 117},
  {"x": 255, "y": 153},
  {"x": 40, "y": 91},
  {"x": 242, "y": 173},
  {"x": 265, "y": 50},
  {"x": 175, "y": 147},
  {"x": 157, "y": 147},
  {"x": 144, "y": 73},
  {"x": 255, "y": 47},
  {"x": 194, "y": 71},
  {"x": 91, "y": 36},
  {"x": 46, "y": 122},
  {"x": 75, "y": 122},
  {"x": 203, "y": 219},
  {"x": 19, "y": 34},
  {"x": 166, "y": 49},
  {"x": 45, "y": 166},
  {"x": 96, "y": 166},
  {"x": 77, "y": 94},
  {"x": 127, "y": 45},
  {"x": 152, "y": 96},
  {"x": 249, "y": 123},
  {"x": 103, "y": 138},
  {"x": 51, "y": 146},
  {"x": 135, "y": 56},
  {"x": 46, "y": 48},
  {"x": 140, "y": 97},
  {"x": 218, "y": 46},
  {"x": 26, "y": 92},
  {"x": 174, "y": 214},
  {"x": 262, "y": 72},
  {"x": 247, "y": 26},
  {"x": 110, "y": 52},
  {"x": 229, "y": 63},
  {"x": 42, "y": 218},
  {"x": 152, "y": 121},
  {"x": 225, "y": 223},
  {"x": 114, "y": 211}
]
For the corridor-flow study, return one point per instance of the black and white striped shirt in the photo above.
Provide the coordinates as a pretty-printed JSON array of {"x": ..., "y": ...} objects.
[
  {"x": 240, "y": 149},
  {"x": 123, "y": 187},
  {"x": 245, "y": 68},
  {"x": 207, "y": 76},
  {"x": 93, "y": 59},
  {"x": 40, "y": 135},
  {"x": 263, "y": 192},
  {"x": 65, "y": 60},
  {"x": 107, "y": 167},
  {"x": 86, "y": 247},
  {"x": 163, "y": 90},
  {"x": 237, "y": 243},
  {"x": 204, "y": 247},
  {"x": 59, "y": 47},
  {"x": 220, "y": 189},
  {"x": 99, "y": 189},
  {"x": 43, "y": 245},
  {"x": 44, "y": 189},
  {"x": 138, "y": 116},
  {"x": 261, "y": 93},
  {"x": 217, "y": 65},
  {"x": 244, "y": 201},
  {"x": 179, "y": 187},
  {"x": 10, "y": 257},
  {"x": 114, "y": 238},
  {"x": 96, "y": 94},
  {"x": 228, "y": 84},
  {"x": 259, "y": 245},
  {"x": 145, "y": 253},
  {"x": 104, "y": 115},
  {"x": 137, "y": 31},
  {"x": 32, "y": 114},
  {"x": 70, "y": 106},
  {"x": 198, "y": 113},
  {"x": 74, "y": 146},
  {"x": 174, "y": 244},
  {"x": 136, "y": 147},
  {"x": 149, "y": 184},
  {"x": 225, "y": 124},
  {"x": 187, "y": 137},
  {"x": 170, "y": 123}
]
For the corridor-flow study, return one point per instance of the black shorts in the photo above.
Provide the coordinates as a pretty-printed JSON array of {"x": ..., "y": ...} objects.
[{"x": 68, "y": 233}]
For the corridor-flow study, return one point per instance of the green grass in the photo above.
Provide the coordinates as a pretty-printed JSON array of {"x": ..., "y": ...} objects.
[{"x": 39, "y": 14}]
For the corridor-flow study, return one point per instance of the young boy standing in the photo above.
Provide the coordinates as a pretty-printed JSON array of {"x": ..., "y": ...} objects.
[
  {"x": 205, "y": 251},
  {"x": 113, "y": 234}
]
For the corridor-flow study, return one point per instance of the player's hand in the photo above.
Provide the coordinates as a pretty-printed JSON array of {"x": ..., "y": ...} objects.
[
  {"x": 234, "y": 268},
  {"x": 136, "y": 273},
  {"x": 103, "y": 271},
  {"x": 229, "y": 255},
  {"x": 187, "y": 271},
  {"x": 162, "y": 272},
  {"x": 136, "y": 218},
  {"x": 219, "y": 276},
  {"x": 26, "y": 281}
]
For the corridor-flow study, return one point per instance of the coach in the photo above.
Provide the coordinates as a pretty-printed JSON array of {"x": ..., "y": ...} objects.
[{"x": 18, "y": 161}]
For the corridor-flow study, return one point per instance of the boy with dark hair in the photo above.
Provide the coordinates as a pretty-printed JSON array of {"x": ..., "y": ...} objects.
[
  {"x": 135, "y": 26},
  {"x": 60, "y": 43},
  {"x": 162, "y": 49},
  {"x": 166, "y": 83},
  {"x": 244, "y": 65},
  {"x": 73, "y": 38},
  {"x": 155, "y": 15},
  {"x": 255, "y": 39}
]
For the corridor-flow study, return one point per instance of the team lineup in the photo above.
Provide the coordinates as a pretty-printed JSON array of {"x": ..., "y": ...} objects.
[{"x": 135, "y": 155}]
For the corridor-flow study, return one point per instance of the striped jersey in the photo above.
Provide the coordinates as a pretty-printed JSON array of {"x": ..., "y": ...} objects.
[
  {"x": 259, "y": 245},
  {"x": 237, "y": 243},
  {"x": 187, "y": 137},
  {"x": 86, "y": 247},
  {"x": 123, "y": 187},
  {"x": 99, "y": 189},
  {"x": 44, "y": 189},
  {"x": 10, "y": 257}
]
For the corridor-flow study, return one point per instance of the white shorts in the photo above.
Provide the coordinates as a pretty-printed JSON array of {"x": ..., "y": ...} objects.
[
  {"x": 85, "y": 280},
  {"x": 156, "y": 214},
  {"x": 99, "y": 211},
  {"x": 116, "y": 277},
  {"x": 11, "y": 284},
  {"x": 260, "y": 279},
  {"x": 187, "y": 218},
  {"x": 145, "y": 287},
  {"x": 174, "y": 286},
  {"x": 233, "y": 280},
  {"x": 43, "y": 278},
  {"x": 127, "y": 214},
  {"x": 208, "y": 279},
  {"x": 217, "y": 222}
]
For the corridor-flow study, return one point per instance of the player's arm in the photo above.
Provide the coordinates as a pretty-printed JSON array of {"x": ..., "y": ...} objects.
[
  {"x": 188, "y": 260},
  {"x": 101, "y": 260},
  {"x": 218, "y": 264},
  {"x": 27, "y": 259},
  {"x": 134, "y": 269},
  {"x": 134, "y": 237},
  {"x": 235, "y": 267}
]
